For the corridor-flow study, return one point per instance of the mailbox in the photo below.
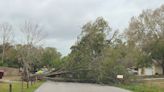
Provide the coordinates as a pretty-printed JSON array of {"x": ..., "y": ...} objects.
[{"x": 1, "y": 74}]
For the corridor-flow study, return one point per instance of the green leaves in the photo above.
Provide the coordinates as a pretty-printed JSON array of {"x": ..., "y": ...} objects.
[{"x": 51, "y": 58}]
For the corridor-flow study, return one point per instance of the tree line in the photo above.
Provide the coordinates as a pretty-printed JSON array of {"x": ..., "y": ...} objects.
[
  {"x": 29, "y": 52},
  {"x": 40, "y": 56}
]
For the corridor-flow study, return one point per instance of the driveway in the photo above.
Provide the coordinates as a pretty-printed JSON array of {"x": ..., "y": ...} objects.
[{"x": 76, "y": 87}]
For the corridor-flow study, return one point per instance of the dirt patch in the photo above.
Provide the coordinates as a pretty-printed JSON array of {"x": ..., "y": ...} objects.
[
  {"x": 12, "y": 78},
  {"x": 10, "y": 71}
]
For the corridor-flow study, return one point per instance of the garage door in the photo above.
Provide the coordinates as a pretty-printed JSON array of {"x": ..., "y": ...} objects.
[{"x": 148, "y": 71}]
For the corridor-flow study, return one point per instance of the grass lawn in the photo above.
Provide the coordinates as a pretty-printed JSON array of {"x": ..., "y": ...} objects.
[
  {"x": 148, "y": 86},
  {"x": 4, "y": 87}
]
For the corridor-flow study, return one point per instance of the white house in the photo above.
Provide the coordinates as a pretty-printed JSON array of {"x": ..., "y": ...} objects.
[{"x": 155, "y": 69}]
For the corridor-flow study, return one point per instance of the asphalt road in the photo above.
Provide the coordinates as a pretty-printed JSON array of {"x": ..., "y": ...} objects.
[{"x": 76, "y": 87}]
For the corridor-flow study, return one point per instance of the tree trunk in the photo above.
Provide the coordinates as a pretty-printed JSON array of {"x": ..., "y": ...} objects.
[
  {"x": 3, "y": 54},
  {"x": 27, "y": 83}
]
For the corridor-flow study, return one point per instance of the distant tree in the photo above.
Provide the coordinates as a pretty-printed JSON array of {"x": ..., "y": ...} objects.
[
  {"x": 51, "y": 58},
  {"x": 11, "y": 59},
  {"x": 6, "y": 37}
]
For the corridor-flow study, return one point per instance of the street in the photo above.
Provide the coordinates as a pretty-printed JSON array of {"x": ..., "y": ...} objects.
[{"x": 76, "y": 87}]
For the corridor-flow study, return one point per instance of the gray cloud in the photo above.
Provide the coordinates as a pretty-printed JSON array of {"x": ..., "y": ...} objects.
[{"x": 62, "y": 19}]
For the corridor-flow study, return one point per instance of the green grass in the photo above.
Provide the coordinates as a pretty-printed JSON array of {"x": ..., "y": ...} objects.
[
  {"x": 16, "y": 87},
  {"x": 143, "y": 87}
]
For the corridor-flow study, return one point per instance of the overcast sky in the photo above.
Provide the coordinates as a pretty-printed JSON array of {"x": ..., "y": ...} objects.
[{"x": 62, "y": 19}]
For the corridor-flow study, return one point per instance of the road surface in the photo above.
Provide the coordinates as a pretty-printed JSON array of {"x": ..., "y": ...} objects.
[{"x": 76, "y": 87}]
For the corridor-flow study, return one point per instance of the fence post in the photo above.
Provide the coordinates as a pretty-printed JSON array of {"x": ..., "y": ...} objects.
[{"x": 10, "y": 86}]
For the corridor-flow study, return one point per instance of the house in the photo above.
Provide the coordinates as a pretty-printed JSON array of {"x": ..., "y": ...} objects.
[{"x": 155, "y": 69}]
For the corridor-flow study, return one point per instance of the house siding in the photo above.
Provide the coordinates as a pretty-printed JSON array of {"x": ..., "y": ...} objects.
[{"x": 157, "y": 69}]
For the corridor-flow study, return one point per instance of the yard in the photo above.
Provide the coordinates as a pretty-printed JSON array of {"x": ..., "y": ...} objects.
[
  {"x": 4, "y": 87},
  {"x": 148, "y": 86},
  {"x": 13, "y": 74}
]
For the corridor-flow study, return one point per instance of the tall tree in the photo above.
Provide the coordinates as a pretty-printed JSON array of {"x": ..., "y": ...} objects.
[
  {"x": 86, "y": 53},
  {"x": 32, "y": 34},
  {"x": 6, "y": 37}
]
